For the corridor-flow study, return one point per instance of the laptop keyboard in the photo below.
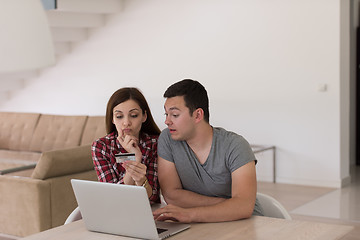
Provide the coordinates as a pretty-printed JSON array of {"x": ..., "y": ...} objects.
[{"x": 160, "y": 230}]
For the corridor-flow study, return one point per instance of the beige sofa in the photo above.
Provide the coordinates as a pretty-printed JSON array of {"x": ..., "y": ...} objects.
[{"x": 55, "y": 149}]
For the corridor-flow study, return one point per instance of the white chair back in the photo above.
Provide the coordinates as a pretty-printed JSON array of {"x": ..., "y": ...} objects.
[
  {"x": 271, "y": 207},
  {"x": 74, "y": 216}
]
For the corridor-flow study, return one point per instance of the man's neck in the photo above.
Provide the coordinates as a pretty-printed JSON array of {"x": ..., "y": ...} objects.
[{"x": 202, "y": 141}]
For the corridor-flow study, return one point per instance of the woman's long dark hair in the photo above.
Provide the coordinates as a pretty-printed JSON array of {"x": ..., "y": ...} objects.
[{"x": 122, "y": 95}]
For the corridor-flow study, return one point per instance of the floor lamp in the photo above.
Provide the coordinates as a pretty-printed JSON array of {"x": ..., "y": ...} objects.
[{"x": 25, "y": 38}]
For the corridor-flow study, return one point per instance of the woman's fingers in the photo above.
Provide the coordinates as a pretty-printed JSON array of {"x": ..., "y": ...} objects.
[
  {"x": 136, "y": 170},
  {"x": 128, "y": 142}
]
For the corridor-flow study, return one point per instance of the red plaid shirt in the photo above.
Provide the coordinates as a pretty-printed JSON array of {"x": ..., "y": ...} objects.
[{"x": 108, "y": 170}]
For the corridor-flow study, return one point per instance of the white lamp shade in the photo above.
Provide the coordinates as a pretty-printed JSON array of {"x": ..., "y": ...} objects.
[{"x": 25, "y": 39}]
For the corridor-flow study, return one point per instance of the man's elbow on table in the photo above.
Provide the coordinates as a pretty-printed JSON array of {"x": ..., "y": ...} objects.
[
  {"x": 244, "y": 210},
  {"x": 248, "y": 213},
  {"x": 238, "y": 214}
]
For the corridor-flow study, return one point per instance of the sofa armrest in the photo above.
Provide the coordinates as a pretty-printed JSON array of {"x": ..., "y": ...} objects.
[
  {"x": 63, "y": 162},
  {"x": 23, "y": 202},
  {"x": 63, "y": 200}
]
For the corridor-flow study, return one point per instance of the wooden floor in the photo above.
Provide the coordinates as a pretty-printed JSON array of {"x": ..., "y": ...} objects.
[{"x": 292, "y": 197}]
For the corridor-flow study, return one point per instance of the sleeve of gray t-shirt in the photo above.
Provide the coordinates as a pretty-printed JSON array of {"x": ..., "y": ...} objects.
[
  {"x": 164, "y": 146},
  {"x": 239, "y": 151}
]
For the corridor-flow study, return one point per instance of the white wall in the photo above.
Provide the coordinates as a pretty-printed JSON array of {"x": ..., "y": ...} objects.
[{"x": 261, "y": 61}]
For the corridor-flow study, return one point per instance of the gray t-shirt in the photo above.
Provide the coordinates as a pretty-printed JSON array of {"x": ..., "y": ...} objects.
[{"x": 229, "y": 151}]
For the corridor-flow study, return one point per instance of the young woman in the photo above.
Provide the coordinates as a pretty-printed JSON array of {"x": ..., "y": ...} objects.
[{"x": 130, "y": 129}]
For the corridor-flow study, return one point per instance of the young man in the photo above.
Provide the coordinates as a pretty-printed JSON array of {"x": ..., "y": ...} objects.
[{"x": 206, "y": 174}]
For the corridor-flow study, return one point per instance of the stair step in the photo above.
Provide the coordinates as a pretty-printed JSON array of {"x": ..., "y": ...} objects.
[
  {"x": 90, "y": 6},
  {"x": 4, "y": 96},
  {"x": 62, "y": 48},
  {"x": 70, "y": 24},
  {"x": 6, "y": 77},
  {"x": 12, "y": 85},
  {"x": 69, "y": 34},
  {"x": 74, "y": 20}
]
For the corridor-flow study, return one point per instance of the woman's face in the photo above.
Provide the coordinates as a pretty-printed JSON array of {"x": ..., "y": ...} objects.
[{"x": 128, "y": 118}]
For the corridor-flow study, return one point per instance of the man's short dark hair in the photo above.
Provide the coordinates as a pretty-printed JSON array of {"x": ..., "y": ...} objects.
[{"x": 195, "y": 95}]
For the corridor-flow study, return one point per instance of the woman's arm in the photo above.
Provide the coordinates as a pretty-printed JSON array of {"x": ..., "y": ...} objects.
[
  {"x": 102, "y": 164},
  {"x": 152, "y": 178},
  {"x": 145, "y": 173}
]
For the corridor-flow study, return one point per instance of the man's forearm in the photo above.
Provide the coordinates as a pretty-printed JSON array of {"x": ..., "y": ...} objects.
[
  {"x": 228, "y": 210},
  {"x": 186, "y": 199}
]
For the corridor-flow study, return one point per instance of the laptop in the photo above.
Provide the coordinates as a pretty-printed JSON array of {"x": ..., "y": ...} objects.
[{"x": 121, "y": 210}]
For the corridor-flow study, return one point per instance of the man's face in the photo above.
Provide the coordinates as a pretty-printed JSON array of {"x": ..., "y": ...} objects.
[{"x": 178, "y": 119}]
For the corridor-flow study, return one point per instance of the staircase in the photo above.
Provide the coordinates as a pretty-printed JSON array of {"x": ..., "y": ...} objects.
[{"x": 71, "y": 23}]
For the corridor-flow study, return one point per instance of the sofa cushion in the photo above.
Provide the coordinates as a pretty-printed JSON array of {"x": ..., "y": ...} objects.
[
  {"x": 13, "y": 159},
  {"x": 19, "y": 155},
  {"x": 16, "y": 130},
  {"x": 64, "y": 162},
  {"x": 94, "y": 129},
  {"x": 57, "y": 132}
]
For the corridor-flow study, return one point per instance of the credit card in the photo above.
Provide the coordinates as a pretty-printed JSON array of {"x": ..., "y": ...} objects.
[{"x": 122, "y": 157}]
